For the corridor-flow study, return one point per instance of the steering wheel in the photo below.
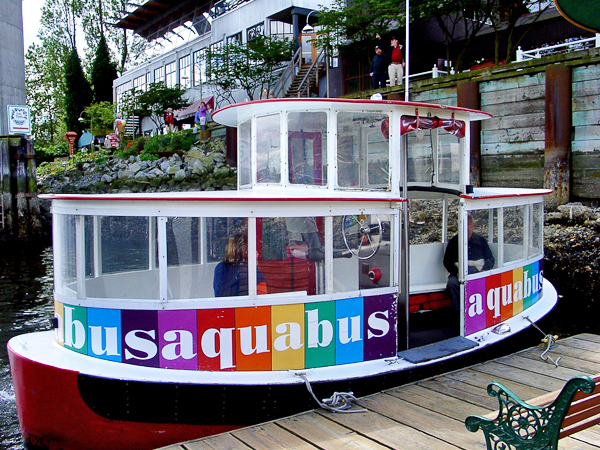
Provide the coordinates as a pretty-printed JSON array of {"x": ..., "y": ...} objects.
[{"x": 362, "y": 235}]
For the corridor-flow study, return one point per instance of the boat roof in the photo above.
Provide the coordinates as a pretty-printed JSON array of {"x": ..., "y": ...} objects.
[{"x": 233, "y": 114}]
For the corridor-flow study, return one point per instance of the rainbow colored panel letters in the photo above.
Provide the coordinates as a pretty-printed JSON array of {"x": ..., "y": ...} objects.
[
  {"x": 493, "y": 299},
  {"x": 282, "y": 337}
]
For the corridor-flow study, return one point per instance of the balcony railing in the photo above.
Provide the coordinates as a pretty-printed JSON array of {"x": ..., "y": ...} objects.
[{"x": 571, "y": 46}]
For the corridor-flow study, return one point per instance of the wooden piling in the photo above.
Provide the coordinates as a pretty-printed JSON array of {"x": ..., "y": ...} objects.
[
  {"x": 467, "y": 96},
  {"x": 557, "y": 152},
  {"x": 20, "y": 207}
]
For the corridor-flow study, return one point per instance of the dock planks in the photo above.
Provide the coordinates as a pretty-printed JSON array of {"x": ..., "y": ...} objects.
[{"x": 426, "y": 414}]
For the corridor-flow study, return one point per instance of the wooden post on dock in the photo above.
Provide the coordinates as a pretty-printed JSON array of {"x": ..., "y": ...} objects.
[
  {"x": 20, "y": 206},
  {"x": 467, "y": 96},
  {"x": 558, "y": 135}
]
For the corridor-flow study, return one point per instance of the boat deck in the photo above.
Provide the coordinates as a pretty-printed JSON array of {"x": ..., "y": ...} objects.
[{"x": 428, "y": 413}]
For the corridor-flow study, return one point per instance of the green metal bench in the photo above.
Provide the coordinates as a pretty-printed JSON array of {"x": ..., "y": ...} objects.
[{"x": 541, "y": 422}]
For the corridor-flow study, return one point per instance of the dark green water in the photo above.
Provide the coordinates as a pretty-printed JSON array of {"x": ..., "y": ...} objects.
[{"x": 25, "y": 306}]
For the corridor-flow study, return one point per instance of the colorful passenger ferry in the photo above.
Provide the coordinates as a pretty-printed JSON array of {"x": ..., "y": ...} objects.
[{"x": 181, "y": 315}]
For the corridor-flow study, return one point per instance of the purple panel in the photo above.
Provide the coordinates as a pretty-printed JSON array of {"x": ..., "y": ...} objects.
[
  {"x": 380, "y": 333},
  {"x": 475, "y": 306},
  {"x": 139, "y": 337},
  {"x": 178, "y": 339}
]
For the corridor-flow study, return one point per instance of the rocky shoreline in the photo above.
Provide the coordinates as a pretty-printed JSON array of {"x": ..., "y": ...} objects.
[{"x": 571, "y": 235}]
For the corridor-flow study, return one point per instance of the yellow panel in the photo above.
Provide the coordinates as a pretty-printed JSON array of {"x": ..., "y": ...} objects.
[
  {"x": 59, "y": 333},
  {"x": 287, "y": 331},
  {"x": 517, "y": 291}
]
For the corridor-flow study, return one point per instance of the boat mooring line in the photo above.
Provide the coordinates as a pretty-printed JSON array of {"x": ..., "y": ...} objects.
[
  {"x": 549, "y": 340},
  {"x": 339, "y": 402}
]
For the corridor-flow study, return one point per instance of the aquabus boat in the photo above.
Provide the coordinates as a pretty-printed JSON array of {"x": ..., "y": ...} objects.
[{"x": 180, "y": 315}]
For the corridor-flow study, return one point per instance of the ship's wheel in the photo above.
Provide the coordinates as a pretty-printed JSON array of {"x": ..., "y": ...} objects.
[{"x": 362, "y": 235}]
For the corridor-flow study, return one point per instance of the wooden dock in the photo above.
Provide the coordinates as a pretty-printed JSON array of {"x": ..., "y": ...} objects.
[{"x": 427, "y": 414}]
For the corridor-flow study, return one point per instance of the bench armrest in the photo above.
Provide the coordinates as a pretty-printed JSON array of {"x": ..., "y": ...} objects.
[{"x": 520, "y": 425}]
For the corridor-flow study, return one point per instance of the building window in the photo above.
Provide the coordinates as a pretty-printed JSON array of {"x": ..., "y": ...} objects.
[
  {"x": 216, "y": 60},
  {"x": 199, "y": 67},
  {"x": 185, "y": 71},
  {"x": 139, "y": 83},
  {"x": 121, "y": 91},
  {"x": 171, "y": 74},
  {"x": 254, "y": 31},
  {"x": 282, "y": 30},
  {"x": 235, "y": 38},
  {"x": 159, "y": 75}
]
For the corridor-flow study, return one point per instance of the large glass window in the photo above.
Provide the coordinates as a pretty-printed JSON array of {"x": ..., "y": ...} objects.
[
  {"x": 199, "y": 67},
  {"x": 363, "y": 150},
  {"x": 536, "y": 241},
  {"x": 483, "y": 240},
  {"x": 307, "y": 148},
  {"x": 171, "y": 74},
  {"x": 65, "y": 273},
  {"x": 268, "y": 149},
  {"x": 159, "y": 75},
  {"x": 185, "y": 71}
]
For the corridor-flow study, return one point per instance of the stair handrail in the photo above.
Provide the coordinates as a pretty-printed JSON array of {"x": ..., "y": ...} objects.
[
  {"x": 287, "y": 75},
  {"x": 314, "y": 66}
]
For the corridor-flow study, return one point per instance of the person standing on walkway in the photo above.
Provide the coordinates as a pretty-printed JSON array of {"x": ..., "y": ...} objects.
[
  {"x": 395, "y": 60},
  {"x": 378, "y": 70},
  {"x": 170, "y": 120}
]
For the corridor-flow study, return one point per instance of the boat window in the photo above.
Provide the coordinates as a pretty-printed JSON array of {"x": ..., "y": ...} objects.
[
  {"x": 291, "y": 254},
  {"x": 120, "y": 261},
  {"x": 65, "y": 273},
  {"x": 362, "y": 252},
  {"x": 307, "y": 148},
  {"x": 420, "y": 156},
  {"x": 362, "y": 150},
  {"x": 244, "y": 146},
  {"x": 268, "y": 149},
  {"x": 514, "y": 238},
  {"x": 485, "y": 232},
  {"x": 448, "y": 167},
  {"x": 536, "y": 225}
]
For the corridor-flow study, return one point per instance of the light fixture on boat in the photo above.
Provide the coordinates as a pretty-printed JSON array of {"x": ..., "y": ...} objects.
[{"x": 501, "y": 329}]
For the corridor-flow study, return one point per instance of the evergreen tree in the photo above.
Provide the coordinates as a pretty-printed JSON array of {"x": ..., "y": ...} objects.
[
  {"x": 104, "y": 71},
  {"x": 78, "y": 93}
]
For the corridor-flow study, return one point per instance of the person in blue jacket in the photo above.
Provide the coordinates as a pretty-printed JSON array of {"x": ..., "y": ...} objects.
[{"x": 231, "y": 274}]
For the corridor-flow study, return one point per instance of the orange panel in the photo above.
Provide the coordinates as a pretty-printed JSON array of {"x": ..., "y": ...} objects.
[{"x": 253, "y": 338}]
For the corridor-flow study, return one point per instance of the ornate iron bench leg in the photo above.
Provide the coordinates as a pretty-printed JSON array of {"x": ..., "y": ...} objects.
[{"x": 523, "y": 426}]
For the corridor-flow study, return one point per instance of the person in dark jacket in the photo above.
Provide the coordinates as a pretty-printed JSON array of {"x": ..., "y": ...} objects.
[
  {"x": 480, "y": 259},
  {"x": 378, "y": 69}
]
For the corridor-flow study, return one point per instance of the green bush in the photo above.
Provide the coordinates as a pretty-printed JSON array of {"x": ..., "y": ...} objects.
[{"x": 50, "y": 152}]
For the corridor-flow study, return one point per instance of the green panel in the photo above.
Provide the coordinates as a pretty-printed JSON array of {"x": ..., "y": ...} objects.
[
  {"x": 320, "y": 334},
  {"x": 75, "y": 318}
]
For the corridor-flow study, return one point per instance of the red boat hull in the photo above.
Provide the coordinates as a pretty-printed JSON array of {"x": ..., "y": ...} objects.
[{"x": 53, "y": 415}]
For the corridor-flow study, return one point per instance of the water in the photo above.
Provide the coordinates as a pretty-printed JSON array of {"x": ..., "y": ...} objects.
[{"x": 25, "y": 306}]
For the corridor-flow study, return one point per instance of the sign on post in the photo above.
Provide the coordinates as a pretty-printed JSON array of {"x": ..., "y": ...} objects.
[{"x": 19, "y": 119}]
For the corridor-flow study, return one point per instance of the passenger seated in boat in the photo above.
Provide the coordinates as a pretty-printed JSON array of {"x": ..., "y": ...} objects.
[
  {"x": 480, "y": 259},
  {"x": 231, "y": 274}
]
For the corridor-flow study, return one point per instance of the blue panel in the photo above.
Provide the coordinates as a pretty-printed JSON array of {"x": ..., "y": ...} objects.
[
  {"x": 349, "y": 331},
  {"x": 104, "y": 333}
]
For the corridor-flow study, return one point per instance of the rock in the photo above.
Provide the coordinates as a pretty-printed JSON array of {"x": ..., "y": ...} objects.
[
  {"x": 165, "y": 165},
  {"x": 574, "y": 212},
  {"x": 135, "y": 167},
  {"x": 107, "y": 178},
  {"x": 180, "y": 175}
]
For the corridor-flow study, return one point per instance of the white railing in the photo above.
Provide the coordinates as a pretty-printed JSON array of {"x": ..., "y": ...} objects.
[{"x": 527, "y": 55}]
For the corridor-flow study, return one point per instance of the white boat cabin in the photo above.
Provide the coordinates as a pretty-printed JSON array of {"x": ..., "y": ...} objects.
[{"x": 330, "y": 252}]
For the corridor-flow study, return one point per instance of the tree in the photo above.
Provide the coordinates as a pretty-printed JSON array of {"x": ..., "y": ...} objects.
[
  {"x": 504, "y": 20},
  {"x": 78, "y": 93},
  {"x": 459, "y": 20},
  {"x": 154, "y": 102},
  {"x": 357, "y": 22},
  {"x": 104, "y": 71},
  {"x": 45, "y": 85},
  {"x": 251, "y": 67},
  {"x": 100, "y": 117}
]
